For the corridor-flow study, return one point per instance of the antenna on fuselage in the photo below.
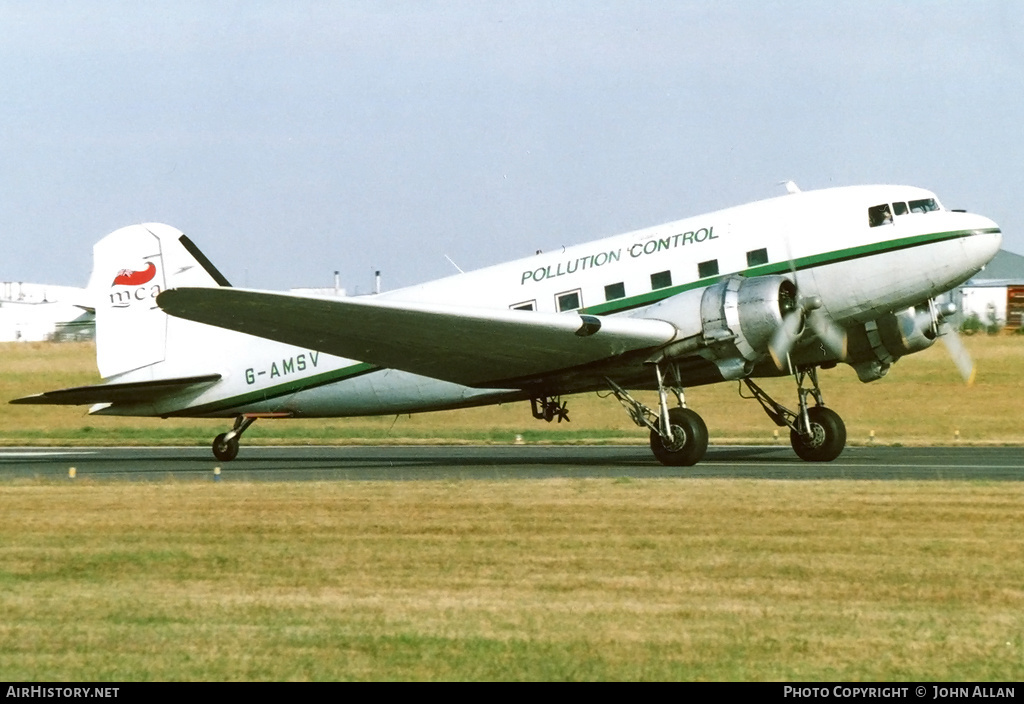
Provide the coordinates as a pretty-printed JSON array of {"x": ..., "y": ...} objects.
[
  {"x": 454, "y": 264},
  {"x": 791, "y": 186}
]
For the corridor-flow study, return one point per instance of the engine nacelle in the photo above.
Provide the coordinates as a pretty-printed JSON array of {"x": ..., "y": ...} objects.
[
  {"x": 730, "y": 323},
  {"x": 874, "y": 346}
]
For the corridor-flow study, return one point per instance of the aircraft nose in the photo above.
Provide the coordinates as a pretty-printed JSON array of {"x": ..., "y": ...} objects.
[{"x": 984, "y": 243}]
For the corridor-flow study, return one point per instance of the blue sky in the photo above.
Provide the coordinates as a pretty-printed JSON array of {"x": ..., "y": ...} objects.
[{"x": 292, "y": 139}]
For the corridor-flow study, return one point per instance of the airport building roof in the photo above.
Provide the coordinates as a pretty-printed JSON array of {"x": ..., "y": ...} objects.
[{"x": 1005, "y": 269}]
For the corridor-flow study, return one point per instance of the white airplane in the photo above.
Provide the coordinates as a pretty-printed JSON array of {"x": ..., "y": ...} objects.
[{"x": 779, "y": 286}]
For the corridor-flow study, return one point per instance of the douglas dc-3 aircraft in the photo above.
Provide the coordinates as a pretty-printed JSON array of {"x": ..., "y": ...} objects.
[{"x": 779, "y": 286}]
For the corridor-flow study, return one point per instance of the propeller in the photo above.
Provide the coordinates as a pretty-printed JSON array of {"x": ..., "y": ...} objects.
[
  {"x": 806, "y": 312},
  {"x": 803, "y": 310}
]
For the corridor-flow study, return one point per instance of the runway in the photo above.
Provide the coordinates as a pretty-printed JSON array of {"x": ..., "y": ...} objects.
[{"x": 503, "y": 462}]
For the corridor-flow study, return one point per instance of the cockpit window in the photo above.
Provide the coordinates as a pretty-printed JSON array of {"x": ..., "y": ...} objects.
[
  {"x": 882, "y": 215},
  {"x": 925, "y": 205},
  {"x": 879, "y": 215}
]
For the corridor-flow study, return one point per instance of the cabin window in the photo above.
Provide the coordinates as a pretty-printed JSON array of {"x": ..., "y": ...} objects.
[
  {"x": 663, "y": 279},
  {"x": 899, "y": 209},
  {"x": 709, "y": 268},
  {"x": 879, "y": 215},
  {"x": 925, "y": 205},
  {"x": 525, "y": 305},
  {"x": 756, "y": 257},
  {"x": 570, "y": 300},
  {"x": 614, "y": 291}
]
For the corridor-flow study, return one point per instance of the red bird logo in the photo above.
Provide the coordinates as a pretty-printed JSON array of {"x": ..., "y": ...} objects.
[{"x": 127, "y": 277}]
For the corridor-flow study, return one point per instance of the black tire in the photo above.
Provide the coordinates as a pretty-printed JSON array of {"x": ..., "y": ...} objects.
[
  {"x": 828, "y": 436},
  {"x": 691, "y": 439},
  {"x": 225, "y": 450}
]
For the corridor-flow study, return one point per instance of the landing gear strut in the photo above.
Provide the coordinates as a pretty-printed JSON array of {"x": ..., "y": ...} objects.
[
  {"x": 225, "y": 445},
  {"x": 679, "y": 437},
  {"x": 816, "y": 433}
]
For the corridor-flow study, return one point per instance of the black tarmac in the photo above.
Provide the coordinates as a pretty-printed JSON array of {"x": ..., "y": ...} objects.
[{"x": 518, "y": 462}]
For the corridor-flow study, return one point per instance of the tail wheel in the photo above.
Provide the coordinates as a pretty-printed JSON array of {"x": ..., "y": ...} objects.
[
  {"x": 689, "y": 439},
  {"x": 223, "y": 449},
  {"x": 826, "y": 439}
]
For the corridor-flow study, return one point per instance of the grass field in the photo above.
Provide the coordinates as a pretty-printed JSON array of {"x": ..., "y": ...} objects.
[
  {"x": 922, "y": 400},
  {"x": 537, "y": 580}
]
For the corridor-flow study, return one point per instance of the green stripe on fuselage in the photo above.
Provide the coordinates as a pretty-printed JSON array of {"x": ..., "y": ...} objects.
[{"x": 272, "y": 392}]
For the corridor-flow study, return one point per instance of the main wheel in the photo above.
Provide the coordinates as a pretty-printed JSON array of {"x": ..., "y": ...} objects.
[
  {"x": 223, "y": 449},
  {"x": 827, "y": 437},
  {"x": 689, "y": 439}
]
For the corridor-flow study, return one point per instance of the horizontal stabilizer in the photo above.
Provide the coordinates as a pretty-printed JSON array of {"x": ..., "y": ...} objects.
[
  {"x": 479, "y": 347},
  {"x": 131, "y": 392}
]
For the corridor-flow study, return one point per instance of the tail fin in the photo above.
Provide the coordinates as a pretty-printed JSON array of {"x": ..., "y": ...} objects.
[{"x": 130, "y": 267}]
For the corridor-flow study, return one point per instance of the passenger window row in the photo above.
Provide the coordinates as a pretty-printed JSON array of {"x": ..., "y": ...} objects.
[{"x": 573, "y": 300}]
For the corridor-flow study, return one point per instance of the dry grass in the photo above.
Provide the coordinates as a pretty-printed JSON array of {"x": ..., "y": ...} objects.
[
  {"x": 554, "y": 579},
  {"x": 921, "y": 401}
]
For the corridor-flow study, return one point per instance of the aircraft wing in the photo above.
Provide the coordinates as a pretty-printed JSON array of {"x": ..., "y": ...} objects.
[
  {"x": 130, "y": 392},
  {"x": 471, "y": 346}
]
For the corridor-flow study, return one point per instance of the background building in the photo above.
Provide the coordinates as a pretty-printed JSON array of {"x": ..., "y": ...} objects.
[
  {"x": 37, "y": 312},
  {"x": 996, "y": 294}
]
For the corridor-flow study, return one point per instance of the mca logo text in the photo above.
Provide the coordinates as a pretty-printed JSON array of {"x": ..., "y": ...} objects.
[
  {"x": 135, "y": 288},
  {"x": 123, "y": 299}
]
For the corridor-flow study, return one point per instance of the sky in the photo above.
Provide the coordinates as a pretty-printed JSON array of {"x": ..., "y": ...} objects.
[{"x": 297, "y": 138}]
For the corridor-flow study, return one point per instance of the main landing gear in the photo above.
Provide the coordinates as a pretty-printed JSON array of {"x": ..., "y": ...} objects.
[
  {"x": 816, "y": 433},
  {"x": 679, "y": 437}
]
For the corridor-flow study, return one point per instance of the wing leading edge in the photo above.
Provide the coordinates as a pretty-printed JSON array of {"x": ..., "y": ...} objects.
[{"x": 470, "y": 346}]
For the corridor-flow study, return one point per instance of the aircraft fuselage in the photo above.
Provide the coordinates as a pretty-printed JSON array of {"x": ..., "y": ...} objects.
[{"x": 839, "y": 245}]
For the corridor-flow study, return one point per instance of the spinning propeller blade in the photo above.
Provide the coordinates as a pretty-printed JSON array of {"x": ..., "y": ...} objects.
[
  {"x": 959, "y": 354},
  {"x": 945, "y": 318},
  {"x": 808, "y": 311},
  {"x": 831, "y": 335},
  {"x": 785, "y": 337}
]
